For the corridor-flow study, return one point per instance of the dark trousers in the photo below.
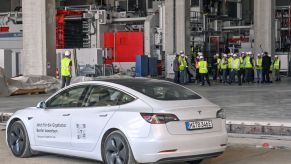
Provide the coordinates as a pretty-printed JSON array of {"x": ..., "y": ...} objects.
[
  {"x": 204, "y": 76},
  {"x": 237, "y": 74},
  {"x": 177, "y": 76},
  {"x": 66, "y": 80},
  {"x": 197, "y": 76},
  {"x": 248, "y": 74},
  {"x": 224, "y": 75},
  {"x": 265, "y": 76},
  {"x": 215, "y": 73},
  {"x": 242, "y": 74}
]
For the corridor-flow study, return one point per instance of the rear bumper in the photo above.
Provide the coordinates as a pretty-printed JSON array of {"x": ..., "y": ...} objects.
[
  {"x": 190, "y": 158},
  {"x": 194, "y": 146}
]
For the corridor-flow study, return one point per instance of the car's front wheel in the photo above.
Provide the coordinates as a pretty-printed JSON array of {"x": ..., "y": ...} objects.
[
  {"x": 116, "y": 149},
  {"x": 18, "y": 140}
]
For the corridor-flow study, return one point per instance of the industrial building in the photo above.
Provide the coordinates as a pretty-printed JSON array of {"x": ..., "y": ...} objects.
[
  {"x": 34, "y": 34},
  {"x": 110, "y": 43}
]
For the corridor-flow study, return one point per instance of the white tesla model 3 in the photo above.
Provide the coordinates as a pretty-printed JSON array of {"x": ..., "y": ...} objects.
[{"x": 121, "y": 121}]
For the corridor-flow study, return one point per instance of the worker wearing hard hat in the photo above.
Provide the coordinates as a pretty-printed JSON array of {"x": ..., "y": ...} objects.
[
  {"x": 216, "y": 67},
  {"x": 248, "y": 67},
  {"x": 229, "y": 67},
  {"x": 182, "y": 67},
  {"x": 197, "y": 68},
  {"x": 266, "y": 66},
  {"x": 235, "y": 71},
  {"x": 259, "y": 67},
  {"x": 66, "y": 69},
  {"x": 223, "y": 67},
  {"x": 277, "y": 66},
  {"x": 176, "y": 68},
  {"x": 242, "y": 66},
  {"x": 203, "y": 71}
]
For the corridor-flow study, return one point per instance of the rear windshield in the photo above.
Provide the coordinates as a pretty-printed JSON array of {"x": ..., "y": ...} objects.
[{"x": 163, "y": 90}]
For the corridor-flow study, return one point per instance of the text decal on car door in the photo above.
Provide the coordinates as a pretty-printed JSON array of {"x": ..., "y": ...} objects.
[{"x": 81, "y": 131}]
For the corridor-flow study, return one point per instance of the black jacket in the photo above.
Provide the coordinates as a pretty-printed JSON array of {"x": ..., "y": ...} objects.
[{"x": 266, "y": 62}]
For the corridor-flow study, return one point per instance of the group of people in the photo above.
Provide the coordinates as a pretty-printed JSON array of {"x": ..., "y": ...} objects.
[{"x": 228, "y": 68}]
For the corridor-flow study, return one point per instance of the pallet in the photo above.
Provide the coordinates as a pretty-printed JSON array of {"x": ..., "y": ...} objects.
[{"x": 29, "y": 91}]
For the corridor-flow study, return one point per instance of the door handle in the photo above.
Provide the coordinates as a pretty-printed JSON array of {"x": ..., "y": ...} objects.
[
  {"x": 103, "y": 115},
  {"x": 66, "y": 114}
]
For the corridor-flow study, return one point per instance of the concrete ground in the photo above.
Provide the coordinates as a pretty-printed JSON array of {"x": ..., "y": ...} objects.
[
  {"x": 235, "y": 154},
  {"x": 254, "y": 102}
]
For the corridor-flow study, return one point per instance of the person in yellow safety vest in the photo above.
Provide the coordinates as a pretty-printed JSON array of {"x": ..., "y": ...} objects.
[
  {"x": 182, "y": 68},
  {"x": 277, "y": 67},
  {"x": 216, "y": 67},
  {"x": 223, "y": 67},
  {"x": 235, "y": 71},
  {"x": 271, "y": 69},
  {"x": 197, "y": 69},
  {"x": 242, "y": 66},
  {"x": 259, "y": 68},
  {"x": 66, "y": 69},
  {"x": 229, "y": 67},
  {"x": 203, "y": 71},
  {"x": 248, "y": 67}
]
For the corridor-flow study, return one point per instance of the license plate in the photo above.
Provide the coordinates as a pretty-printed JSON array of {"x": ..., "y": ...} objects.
[{"x": 201, "y": 124}]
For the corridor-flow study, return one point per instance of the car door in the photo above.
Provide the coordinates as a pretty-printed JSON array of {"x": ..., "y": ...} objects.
[
  {"x": 52, "y": 126},
  {"x": 88, "y": 123}
]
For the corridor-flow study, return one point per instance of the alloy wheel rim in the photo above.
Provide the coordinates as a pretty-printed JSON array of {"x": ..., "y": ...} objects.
[
  {"x": 115, "y": 151},
  {"x": 16, "y": 140}
]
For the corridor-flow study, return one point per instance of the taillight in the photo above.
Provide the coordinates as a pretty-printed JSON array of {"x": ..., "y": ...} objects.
[{"x": 159, "y": 118}]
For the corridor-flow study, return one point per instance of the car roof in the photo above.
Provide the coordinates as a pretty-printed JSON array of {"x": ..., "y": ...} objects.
[{"x": 131, "y": 81}]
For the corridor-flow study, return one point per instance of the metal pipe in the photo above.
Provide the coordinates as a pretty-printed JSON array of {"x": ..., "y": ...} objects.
[
  {"x": 129, "y": 19},
  {"x": 236, "y": 27}
]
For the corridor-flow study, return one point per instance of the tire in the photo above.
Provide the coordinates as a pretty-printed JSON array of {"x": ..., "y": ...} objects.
[
  {"x": 18, "y": 140},
  {"x": 116, "y": 149},
  {"x": 195, "y": 162}
]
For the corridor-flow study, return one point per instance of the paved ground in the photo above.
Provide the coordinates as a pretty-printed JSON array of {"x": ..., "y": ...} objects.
[
  {"x": 236, "y": 154},
  {"x": 255, "y": 102}
]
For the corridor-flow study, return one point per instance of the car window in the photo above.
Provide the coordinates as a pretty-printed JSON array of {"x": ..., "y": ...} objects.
[
  {"x": 105, "y": 96},
  {"x": 72, "y": 97},
  {"x": 163, "y": 90}
]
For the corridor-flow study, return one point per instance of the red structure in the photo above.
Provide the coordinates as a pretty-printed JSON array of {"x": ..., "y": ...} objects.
[
  {"x": 60, "y": 21},
  {"x": 127, "y": 46}
]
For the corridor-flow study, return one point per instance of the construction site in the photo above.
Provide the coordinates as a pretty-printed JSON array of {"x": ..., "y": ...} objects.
[{"x": 141, "y": 39}]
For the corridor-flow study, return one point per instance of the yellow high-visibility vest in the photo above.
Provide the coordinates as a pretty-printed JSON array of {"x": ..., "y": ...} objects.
[
  {"x": 236, "y": 63},
  {"x": 203, "y": 67},
  {"x": 277, "y": 64},
  {"x": 259, "y": 62},
  {"x": 66, "y": 66},
  {"x": 230, "y": 62},
  {"x": 248, "y": 63},
  {"x": 223, "y": 64}
]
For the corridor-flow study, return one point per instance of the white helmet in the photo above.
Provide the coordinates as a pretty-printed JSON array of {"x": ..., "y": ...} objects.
[
  {"x": 224, "y": 55},
  {"x": 200, "y": 54},
  {"x": 276, "y": 56},
  {"x": 259, "y": 54},
  {"x": 201, "y": 57},
  {"x": 234, "y": 55},
  {"x": 67, "y": 53}
]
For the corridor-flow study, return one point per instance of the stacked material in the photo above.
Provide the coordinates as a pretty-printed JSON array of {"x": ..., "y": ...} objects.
[
  {"x": 27, "y": 84},
  {"x": 4, "y": 91}
]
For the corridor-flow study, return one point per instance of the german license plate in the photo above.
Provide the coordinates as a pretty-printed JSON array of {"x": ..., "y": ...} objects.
[{"x": 201, "y": 124}]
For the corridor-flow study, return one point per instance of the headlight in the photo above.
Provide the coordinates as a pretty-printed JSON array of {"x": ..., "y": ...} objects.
[{"x": 221, "y": 114}]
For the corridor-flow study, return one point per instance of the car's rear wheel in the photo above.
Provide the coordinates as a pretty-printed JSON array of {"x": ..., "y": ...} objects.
[
  {"x": 116, "y": 149},
  {"x": 18, "y": 140}
]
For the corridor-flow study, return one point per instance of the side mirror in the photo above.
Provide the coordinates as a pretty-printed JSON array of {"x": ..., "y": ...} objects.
[{"x": 41, "y": 105}]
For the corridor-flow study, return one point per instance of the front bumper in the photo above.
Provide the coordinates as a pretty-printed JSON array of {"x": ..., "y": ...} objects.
[{"x": 195, "y": 146}]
